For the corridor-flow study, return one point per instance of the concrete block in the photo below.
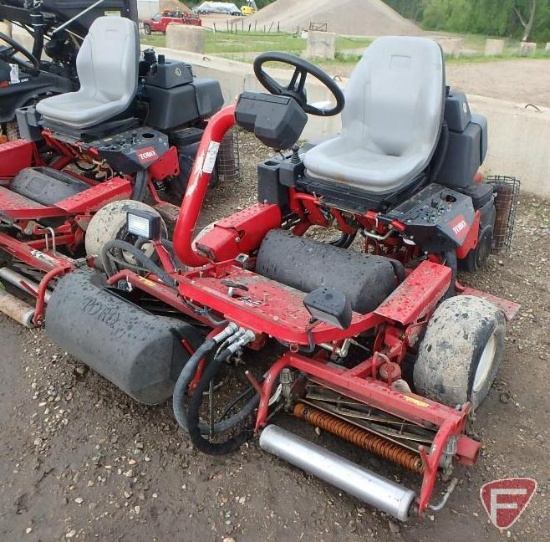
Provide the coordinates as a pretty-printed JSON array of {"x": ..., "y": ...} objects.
[
  {"x": 527, "y": 48},
  {"x": 320, "y": 45},
  {"x": 517, "y": 142},
  {"x": 185, "y": 38},
  {"x": 494, "y": 47},
  {"x": 451, "y": 46}
]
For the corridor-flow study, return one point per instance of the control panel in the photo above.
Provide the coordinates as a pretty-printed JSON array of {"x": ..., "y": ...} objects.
[
  {"x": 133, "y": 150},
  {"x": 436, "y": 219}
]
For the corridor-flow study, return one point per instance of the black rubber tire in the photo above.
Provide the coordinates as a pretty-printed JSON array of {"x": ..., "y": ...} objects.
[
  {"x": 147, "y": 29},
  {"x": 176, "y": 187},
  {"x": 477, "y": 257},
  {"x": 461, "y": 351}
]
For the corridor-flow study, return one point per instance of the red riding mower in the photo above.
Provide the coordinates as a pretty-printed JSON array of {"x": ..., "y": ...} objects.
[
  {"x": 130, "y": 132},
  {"x": 380, "y": 346}
]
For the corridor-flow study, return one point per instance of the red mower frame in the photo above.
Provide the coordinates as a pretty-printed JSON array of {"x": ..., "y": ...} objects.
[
  {"x": 36, "y": 245},
  {"x": 269, "y": 309}
]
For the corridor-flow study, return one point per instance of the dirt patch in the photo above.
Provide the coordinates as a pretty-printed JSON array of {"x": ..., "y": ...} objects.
[
  {"x": 80, "y": 460},
  {"x": 520, "y": 81},
  {"x": 350, "y": 17}
]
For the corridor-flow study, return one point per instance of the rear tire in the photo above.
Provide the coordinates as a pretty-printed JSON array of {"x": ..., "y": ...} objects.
[
  {"x": 147, "y": 29},
  {"x": 477, "y": 257},
  {"x": 461, "y": 351}
]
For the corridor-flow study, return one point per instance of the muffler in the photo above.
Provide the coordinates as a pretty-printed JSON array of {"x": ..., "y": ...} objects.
[{"x": 392, "y": 498}]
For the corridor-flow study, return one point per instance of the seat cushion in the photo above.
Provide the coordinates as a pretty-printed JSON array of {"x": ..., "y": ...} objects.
[
  {"x": 79, "y": 110},
  {"x": 340, "y": 161},
  {"x": 391, "y": 121}
]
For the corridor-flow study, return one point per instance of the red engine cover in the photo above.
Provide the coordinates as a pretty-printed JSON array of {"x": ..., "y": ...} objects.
[{"x": 14, "y": 156}]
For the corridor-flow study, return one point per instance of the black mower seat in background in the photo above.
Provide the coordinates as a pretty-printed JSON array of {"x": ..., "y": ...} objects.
[
  {"x": 107, "y": 66},
  {"x": 391, "y": 121}
]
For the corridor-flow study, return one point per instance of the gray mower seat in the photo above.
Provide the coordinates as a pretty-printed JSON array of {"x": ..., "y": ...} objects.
[
  {"x": 391, "y": 121},
  {"x": 107, "y": 66}
]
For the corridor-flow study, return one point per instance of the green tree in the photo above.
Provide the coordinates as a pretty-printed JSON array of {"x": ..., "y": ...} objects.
[
  {"x": 410, "y": 9},
  {"x": 529, "y": 21},
  {"x": 524, "y": 19}
]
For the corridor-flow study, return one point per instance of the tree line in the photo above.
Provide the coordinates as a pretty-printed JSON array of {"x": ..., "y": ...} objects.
[{"x": 521, "y": 19}]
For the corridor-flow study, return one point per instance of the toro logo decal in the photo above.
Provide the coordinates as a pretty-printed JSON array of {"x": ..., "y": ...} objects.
[
  {"x": 504, "y": 500},
  {"x": 459, "y": 226},
  {"x": 146, "y": 155}
]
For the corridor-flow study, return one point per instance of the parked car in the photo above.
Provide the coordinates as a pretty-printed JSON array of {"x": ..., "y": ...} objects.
[
  {"x": 159, "y": 22},
  {"x": 225, "y": 8}
]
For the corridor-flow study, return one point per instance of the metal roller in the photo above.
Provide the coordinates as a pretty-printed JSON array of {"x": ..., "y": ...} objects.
[
  {"x": 372, "y": 489},
  {"x": 16, "y": 279},
  {"x": 15, "y": 308}
]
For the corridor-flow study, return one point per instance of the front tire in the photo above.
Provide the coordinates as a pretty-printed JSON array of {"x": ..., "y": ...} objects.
[
  {"x": 147, "y": 29},
  {"x": 461, "y": 351},
  {"x": 109, "y": 223}
]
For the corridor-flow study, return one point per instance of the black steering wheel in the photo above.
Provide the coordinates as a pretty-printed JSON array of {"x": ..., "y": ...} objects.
[
  {"x": 296, "y": 86},
  {"x": 8, "y": 55}
]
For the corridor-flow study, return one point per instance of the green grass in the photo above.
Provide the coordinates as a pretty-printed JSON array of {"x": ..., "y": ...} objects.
[
  {"x": 252, "y": 42},
  {"x": 232, "y": 43},
  {"x": 239, "y": 45},
  {"x": 474, "y": 46},
  {"x": 154, "y": 40},
  {"x": 227, "y": 43}
]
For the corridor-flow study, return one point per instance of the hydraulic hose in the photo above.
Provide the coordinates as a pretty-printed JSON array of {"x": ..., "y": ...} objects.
[
  {"x": 140, "y": 184},
  {"x": 345, "y": 240},
  {"x": 195, "y": 433},
  {"x": 451, "y": 262},
  {"x": 178, "y": 397},
  {"x": 206, "y": 349},
  {"x": 142, "y": 258}
]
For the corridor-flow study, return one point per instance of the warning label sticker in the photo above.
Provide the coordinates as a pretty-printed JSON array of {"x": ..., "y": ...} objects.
[{"x": 210, "y": 158}]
